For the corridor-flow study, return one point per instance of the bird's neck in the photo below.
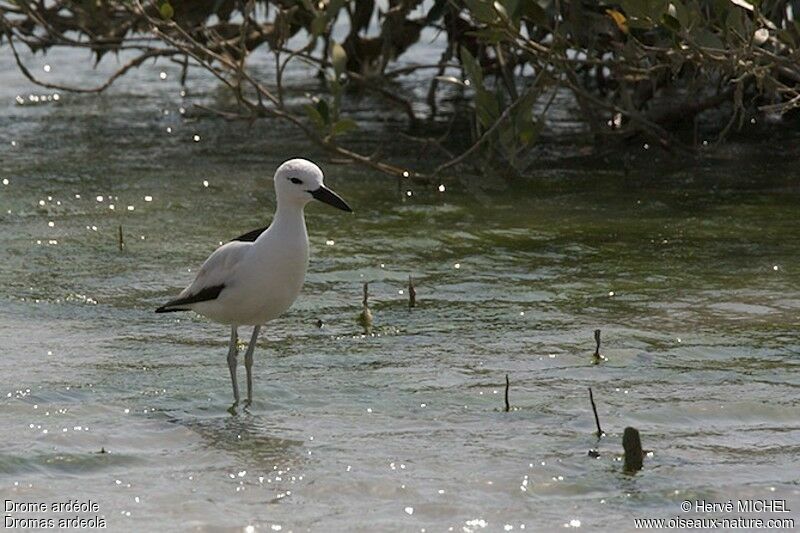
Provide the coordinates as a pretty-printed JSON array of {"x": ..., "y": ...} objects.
[{"x": 290, "y": 222}]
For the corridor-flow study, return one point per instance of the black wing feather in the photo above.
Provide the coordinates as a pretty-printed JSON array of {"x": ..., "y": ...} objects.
[
  {"x": 204, "y": 295},
  {"x": 250, "y": 236}
]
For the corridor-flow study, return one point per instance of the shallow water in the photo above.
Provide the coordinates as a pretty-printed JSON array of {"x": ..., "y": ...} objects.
[{"x": 690, "y": 270}]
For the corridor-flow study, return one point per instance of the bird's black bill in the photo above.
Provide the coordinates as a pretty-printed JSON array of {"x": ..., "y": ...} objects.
[{"x": 325, "y": 195}]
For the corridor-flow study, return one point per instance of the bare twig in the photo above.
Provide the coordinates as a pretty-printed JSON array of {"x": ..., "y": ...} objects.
[{"x": 100, "y": 88}]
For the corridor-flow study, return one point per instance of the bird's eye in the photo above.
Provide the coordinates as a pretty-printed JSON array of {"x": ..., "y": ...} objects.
[{"x": 296, "y": 181}]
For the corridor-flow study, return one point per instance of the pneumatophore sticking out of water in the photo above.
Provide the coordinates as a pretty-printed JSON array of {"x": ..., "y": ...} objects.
[
  {"x": 597, "y": 357},
  {"x": 365, "y": 317},
  {"x": 632, "y": 444},
  {"x": 507, "y": 404},
  {"x": 596, "y": 418}
]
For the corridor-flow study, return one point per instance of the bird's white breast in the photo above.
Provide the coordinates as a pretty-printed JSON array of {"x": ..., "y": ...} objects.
[{"x": 267, "y": 280}]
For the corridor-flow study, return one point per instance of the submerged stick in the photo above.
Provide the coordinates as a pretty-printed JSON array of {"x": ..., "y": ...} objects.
[
  {"x": 632, "y": 444},
  {"x": 596, "y": 418},
  {"x": 412, "y": 293},
  {"x": 121, "y": 240},
  {"x": 508, "y": 385}
]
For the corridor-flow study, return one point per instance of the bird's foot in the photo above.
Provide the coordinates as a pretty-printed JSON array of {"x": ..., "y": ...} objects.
[
  {"x": 232, "y": 408},
  {"x": 247, "y": 403}
]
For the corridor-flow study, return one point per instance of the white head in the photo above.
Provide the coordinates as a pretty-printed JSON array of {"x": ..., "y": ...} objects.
[{"x": 298, "y": 181}]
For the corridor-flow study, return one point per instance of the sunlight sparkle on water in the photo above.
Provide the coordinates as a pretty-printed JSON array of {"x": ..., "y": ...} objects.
[
  {"x": 409, "y": 510},
  {"x": 441, "y": 188},
  {"x": 196, "y": 138},
  {"x": 5, "y": 181},
  {"x": 163, "y": 75},
  {"x": 46, "y": 68},
  {"x": 471, "y": 525}
]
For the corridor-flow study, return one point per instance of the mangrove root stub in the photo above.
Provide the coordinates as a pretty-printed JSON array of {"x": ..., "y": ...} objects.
[
  {"x": 412, "y": 293},
  {"x": 634, "y": 455},
  {"x": 121, "y": 240}
]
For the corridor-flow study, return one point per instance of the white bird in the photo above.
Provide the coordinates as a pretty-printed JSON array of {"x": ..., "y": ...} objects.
[{"x": 257, "y": 276}]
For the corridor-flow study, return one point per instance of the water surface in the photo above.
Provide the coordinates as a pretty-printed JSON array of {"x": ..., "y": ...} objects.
[{"x": 689, "y": 269}]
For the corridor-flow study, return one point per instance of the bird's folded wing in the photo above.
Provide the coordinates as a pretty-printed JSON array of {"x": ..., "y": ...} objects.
[
  {"x": 218, "y": 271},
  {"x": 250, "y": 236},
  {"x": 183, "y": 303}
]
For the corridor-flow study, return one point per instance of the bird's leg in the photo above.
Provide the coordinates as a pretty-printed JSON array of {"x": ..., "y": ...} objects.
[
  {"x": 248, "y": 365},
  {"x": 232, "y": 349}
]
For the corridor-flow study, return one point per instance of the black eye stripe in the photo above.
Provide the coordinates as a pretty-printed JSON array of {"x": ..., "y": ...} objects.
[{"x": 296, "y": 181}]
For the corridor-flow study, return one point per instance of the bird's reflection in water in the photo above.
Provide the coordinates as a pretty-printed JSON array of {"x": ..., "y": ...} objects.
[{"x": 246, "y": 437}]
